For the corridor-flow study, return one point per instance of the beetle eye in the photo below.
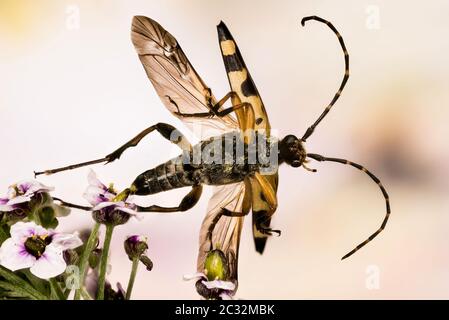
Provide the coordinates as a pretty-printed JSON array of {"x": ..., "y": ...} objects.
[{"x": 296, "y": 163}]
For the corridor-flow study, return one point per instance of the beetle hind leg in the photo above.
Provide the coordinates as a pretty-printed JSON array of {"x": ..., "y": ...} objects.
[
  {"x": 188, "y": 202},
  {"x": 167, "y": 131}
]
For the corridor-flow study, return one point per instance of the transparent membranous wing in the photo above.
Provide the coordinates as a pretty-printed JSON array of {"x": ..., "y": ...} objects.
[
  {"x": 223, "y": 232},
  {"x": 176, "y": 82}
]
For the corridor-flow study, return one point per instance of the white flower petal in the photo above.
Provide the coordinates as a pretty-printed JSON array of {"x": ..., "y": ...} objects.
[
  {"x": 219, "y": 284},
  {"x": 94, "y": 181},
  {"x": 105, "y": 204},
  {"x": 195, "y": 276},
  {"x": 64, "y": 241},
  {"x": 12, "y": 192},
  {"x": 6, "y": 208},
  {"x": 20, "y": 231},
  {"x": 14, "y": 256},
  {"x": 128, "y": 210},
  {"x": 31, "y": 187},
  {"x": 19, "y": 199},
  {"x": 138, "y": 216},
  {"x": 95, "y": 195},
  {"x": 50, "y": 264}
]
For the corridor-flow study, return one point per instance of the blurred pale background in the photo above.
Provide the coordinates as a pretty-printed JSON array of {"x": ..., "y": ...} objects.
[{"x": 73, "y": 89}]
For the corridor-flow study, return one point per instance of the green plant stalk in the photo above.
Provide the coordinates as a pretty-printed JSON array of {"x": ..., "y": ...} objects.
[
  {"x": 132, "y": 278},
  {"x": 37, "y": 283},
  {"x": 3, "y": 234},
  {"x": 56, "y": 289},
  {"x": 85, "y": 258},
  {"x": 85, "y": 294},
  {"x": 104, "y": 261}
]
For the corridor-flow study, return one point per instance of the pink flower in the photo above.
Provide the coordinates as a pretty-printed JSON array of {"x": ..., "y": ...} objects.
[
  {"x": 20, "y": 194},
  {"x": 41, "y": 250},
  {"x": 106, "y": 207}
]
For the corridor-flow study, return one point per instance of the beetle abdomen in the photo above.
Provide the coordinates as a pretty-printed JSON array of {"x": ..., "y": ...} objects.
[{"x": 166, "y": 176}]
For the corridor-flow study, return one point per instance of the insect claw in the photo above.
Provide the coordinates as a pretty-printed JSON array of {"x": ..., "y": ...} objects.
[
  {"x": 277, "y": 232},
  {"x": 269, "y": 231}
]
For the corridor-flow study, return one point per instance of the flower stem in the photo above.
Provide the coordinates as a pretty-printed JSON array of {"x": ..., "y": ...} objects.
[
  {"x": 85, "y": 257},
  {"x": 104, "y": 262},
  {"x": 56, "y": 289},
  {"x": 3, "y": 234},
  {"x": 132, "y": 277},
  {"x": 85, "y": 294}
]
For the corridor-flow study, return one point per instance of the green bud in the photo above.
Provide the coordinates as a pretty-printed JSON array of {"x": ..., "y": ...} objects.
[
  {"x": 216, "y": 266},
  {"x": 94, "y": 258},
  {"x": 46, "y": 216},
  {"x": 41, "y": 199},
  {"x": 70, "y": 257}
]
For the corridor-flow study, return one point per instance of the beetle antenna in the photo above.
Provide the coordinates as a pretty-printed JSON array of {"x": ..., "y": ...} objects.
[
  {"x": 343, "y": 82},
  {"x": 320, "y": 158}
]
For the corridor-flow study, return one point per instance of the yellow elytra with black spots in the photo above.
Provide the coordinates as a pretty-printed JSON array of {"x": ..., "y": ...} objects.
[
  {"x": 241, "y": 82},
  {"x": 243, "y": 85}
]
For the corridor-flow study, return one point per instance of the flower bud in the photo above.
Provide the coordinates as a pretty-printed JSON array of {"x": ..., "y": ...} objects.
[
  {"x": 46, "y": 216},
  {"x": 111, "y": 216},
  {"x": 135, "y": 246},
  {"x": 23, "y": 199},
  {"x": 109, "y": 208},
  {"x": 216, "y": 266},
  {"x": 94, "y": 258},
  {"x": 41, "y": 199},
  {"x": 70, "y": 257}
]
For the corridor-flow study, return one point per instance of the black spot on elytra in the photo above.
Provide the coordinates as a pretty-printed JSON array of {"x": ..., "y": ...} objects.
[
  {"x": 248, "y": 87},
  {"x": 233, "y": 63},
  {"x": 223, "y": 32}
]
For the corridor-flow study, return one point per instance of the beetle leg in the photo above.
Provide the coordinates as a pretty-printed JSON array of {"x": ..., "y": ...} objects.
[
  {"x": 215, "y": 109},
  {"x": 187, "y": 202},
  {"x": 167, "y": 131}
]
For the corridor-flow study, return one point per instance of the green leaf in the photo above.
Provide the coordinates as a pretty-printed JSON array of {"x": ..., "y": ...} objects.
[
  {"x": 14, "y": 291},
  {"x": 56, "y": 292},
  {"x": 17, "y": 284},
  {"x": 39, "y": 284},
  {"x": 46, "y": 216},
  {"x": 60, "y": 211}
]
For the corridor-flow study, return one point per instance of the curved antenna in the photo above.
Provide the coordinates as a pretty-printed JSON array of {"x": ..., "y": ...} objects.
[
  {"x": 318, "y": 157},
  {"x": 343, "y": 82}
]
